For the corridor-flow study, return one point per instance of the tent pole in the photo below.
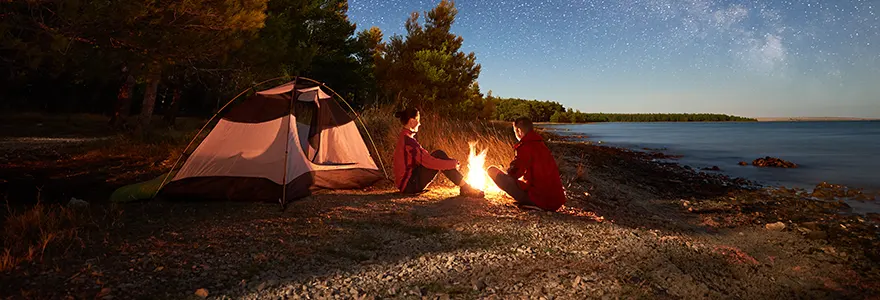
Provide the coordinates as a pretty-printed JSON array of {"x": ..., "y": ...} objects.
[
  {"x": 203, "y": 128},
  {"x": 358, "y": 117},
  {"x": 287, "y": 146}
]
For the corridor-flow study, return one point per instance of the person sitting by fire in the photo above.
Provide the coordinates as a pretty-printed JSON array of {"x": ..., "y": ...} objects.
[
  {"x": 533, "y": 177},
  {"x": 414, "y": 168}
]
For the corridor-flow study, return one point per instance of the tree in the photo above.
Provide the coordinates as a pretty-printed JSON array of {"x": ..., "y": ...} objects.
[
  {"x": 312, "y": 38},
  {"x": 560, "y": 117},
  {"x": 81, "y": 47},
  {"x": 154, "y": 34},
  {"x": 427, "y": 68},
  {"x": 369, "y": 52}
]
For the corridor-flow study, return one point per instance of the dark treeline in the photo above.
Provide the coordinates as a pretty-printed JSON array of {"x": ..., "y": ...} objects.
[
  {"x": 121, "y": 58},
  {"x": 508, "y": 109},
  {"x": 580, "y": 117}
]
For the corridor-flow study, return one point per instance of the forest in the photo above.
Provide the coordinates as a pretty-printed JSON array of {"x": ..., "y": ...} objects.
[{"x": 131, "y": 60}]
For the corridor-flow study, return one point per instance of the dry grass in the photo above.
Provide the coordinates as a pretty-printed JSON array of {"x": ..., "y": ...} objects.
[
  {"x": 75, "y": 152},
  {"x": 32, "y": 233},
  {"x": 449, "y": 135},
  {"x": 28, "y": 234}
]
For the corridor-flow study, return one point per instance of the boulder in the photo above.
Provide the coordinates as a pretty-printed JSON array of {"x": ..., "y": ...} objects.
[
  {"x": 773, "y": 162},
  {"x": 742, "y": 163}
]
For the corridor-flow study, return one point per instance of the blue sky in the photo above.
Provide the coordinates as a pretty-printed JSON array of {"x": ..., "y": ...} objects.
[{"x": 750, "y": 58}]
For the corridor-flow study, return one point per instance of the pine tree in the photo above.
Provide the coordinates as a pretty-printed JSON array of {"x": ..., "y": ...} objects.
[{"x": 427, "y": 68}]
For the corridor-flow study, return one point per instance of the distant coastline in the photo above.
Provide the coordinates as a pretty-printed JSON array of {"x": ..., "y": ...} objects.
[
  {"x": 812, "y": 119},
  {"x": 743, "y": 119}
]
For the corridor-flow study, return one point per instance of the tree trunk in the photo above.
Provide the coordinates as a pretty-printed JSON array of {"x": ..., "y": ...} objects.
[
  {"x": 171, "y": 112},
  {"x": 123, "y": 102},
  {"x": 153, "y": 78}
]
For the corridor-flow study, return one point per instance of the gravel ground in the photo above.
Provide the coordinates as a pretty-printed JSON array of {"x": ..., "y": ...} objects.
[{"x": 629, "y": 230}]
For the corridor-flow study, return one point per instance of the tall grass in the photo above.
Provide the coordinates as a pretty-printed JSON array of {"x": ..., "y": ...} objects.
[
  {"x": 436, "y": 132},
  {"x": 28, "y": 234}
]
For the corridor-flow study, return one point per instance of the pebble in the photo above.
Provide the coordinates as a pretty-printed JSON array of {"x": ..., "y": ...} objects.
[{"x": 202, "y": 293}]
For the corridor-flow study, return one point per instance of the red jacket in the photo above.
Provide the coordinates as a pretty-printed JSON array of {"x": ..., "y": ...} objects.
[
  {"x": 408, "y": 154},
  {"x": 540, "y": 175}
]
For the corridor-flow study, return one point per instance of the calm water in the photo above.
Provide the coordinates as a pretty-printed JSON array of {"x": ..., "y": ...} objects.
[{"x": 845, "y": 153}]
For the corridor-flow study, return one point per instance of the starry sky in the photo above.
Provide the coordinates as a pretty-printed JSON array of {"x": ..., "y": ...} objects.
[{"x": 749, "y": 58}]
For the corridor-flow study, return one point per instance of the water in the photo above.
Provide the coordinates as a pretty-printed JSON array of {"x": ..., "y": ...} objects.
[{"x": 846, "y": 153}]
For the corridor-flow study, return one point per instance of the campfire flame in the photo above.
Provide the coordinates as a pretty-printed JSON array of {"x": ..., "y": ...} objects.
[{"x": 477, "y": 176}]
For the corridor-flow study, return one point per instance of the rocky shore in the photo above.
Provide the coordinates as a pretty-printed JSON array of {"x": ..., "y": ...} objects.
[{"x": 634, "y": 227}]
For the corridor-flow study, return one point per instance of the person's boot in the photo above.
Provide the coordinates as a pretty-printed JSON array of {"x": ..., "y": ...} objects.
[{"x": 468, "y": 191}]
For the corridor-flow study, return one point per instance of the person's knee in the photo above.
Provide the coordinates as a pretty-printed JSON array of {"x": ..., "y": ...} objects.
[
  {"x": 493, "y": 171},
  {"x": 440, "y": 154}
]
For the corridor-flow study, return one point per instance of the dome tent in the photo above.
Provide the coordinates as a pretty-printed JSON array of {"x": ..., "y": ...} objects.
[{"x": 279, "y": 144}]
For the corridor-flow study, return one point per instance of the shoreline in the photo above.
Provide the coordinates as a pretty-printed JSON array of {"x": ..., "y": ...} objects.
[
  {"x": 825, "y": 204},
  {"x": 633, "y": 227},
  {"x": 758, "y": 120},
  {"x": 584, "y": 137}
]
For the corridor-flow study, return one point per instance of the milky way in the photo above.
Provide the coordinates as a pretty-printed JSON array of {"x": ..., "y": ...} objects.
[{"x": 756, "y": 58}]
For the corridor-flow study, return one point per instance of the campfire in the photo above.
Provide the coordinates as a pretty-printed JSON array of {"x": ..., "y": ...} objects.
[{"x": 477, "y": 176}]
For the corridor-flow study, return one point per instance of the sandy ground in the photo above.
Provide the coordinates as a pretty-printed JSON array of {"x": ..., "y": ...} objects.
[{"x": 633, "y": 228}]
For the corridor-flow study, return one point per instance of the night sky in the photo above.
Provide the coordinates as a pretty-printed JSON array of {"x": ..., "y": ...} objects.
[{"x": 751, "y": 58}]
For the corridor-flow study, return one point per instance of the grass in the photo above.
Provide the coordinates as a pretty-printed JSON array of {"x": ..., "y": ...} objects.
[
  {"x": 449, "y": 135},
  {"x": 120, "y": 159},
  {"x": 28, "y": 234}
]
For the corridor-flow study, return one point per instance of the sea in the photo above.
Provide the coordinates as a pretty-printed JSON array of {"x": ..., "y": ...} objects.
[{"x": 837, "y": 152}]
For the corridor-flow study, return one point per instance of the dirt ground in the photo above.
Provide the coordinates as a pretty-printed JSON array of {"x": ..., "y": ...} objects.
[{"x": 634, "y": 227}]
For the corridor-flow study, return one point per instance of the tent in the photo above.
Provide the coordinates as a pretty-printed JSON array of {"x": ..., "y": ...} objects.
[{"x": 279, "y": 144}]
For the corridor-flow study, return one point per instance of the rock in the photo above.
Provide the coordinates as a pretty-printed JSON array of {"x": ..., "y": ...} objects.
[
  {"x": 713, "y": 168},
  {"x": 778, "y": 226},
  {"x": 810, "y": 225},
  {"x": 773, "y": 162},
  {"x": 77, "y": 203},
  {"x": 817, "y": 235},
  {"x": 874, "y": 217},
  {"x": 105, "y": 292},
  {"x": 742, "y": 163},
  {"x": 202, "y": 293},
  {"x": 479, "y": 285}
]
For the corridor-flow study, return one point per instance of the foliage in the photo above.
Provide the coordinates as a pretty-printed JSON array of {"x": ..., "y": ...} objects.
[
  {"x": 508, "y": 109},
  {"x": 438, "y": 132},
  {"x": 427, "y": 69},
  {"x": 580, "y": 117},
  {"x": 75, "y": 55}
]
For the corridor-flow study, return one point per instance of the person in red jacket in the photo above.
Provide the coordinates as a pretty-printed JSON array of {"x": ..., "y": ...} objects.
[
  {"x": 533, "y": 177},
  {"x": 414, "y": 168}
]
